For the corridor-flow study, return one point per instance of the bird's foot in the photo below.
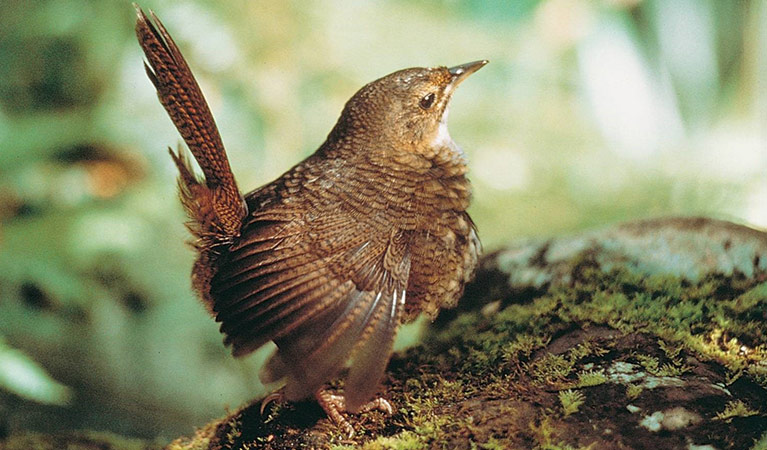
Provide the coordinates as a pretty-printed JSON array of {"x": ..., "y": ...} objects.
[{"x": 334, "y": 406}]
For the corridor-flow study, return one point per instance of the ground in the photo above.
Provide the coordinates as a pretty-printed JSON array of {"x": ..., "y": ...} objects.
[{"x": 645, "y": 335}]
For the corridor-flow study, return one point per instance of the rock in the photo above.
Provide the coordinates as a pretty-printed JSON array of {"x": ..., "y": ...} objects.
[
  {"x": 644, "y": 335},
  {"x": 650, "y": 335},
  {"x": 690, "y": 248}
]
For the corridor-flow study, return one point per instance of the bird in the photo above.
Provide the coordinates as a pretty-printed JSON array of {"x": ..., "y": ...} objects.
[{"x": 329, "y": 259}]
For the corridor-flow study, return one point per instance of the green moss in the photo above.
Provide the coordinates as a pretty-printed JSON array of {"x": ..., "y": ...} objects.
[
  {"x": 591, "y": 378},
  {"x": 633, "y": 391},
  {"x": 552, "y": 368},
  {"x": 753, "y": 300},
  {"x": 556, "y": 369},
  {"x": 522, "y": 347},
  {"x": 493, "y": 444},
  {"x": 761, "y": 444},
  {"x": 736, "y": 408},
  {"x": 687, "y": 318},
  {"x": 571, "y": 401},
  {"x": 716, "y": 317},
  {"x": 483, "y": 372},
  {"x": 650, "y": 363},
  {"x": 407, "y": 440},
  {"x": 670, "y": 370},
  {"x": 545, "y": 434}
]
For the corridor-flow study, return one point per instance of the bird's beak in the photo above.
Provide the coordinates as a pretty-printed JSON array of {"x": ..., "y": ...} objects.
[{"x": 461, "y": 72}]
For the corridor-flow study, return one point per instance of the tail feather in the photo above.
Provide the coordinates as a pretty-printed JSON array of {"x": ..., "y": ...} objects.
[
  {"x": 197, "y": 202},
  {"x": 217, "y": 204}
]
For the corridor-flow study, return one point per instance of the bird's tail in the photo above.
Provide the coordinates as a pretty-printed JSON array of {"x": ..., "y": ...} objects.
[{"x": 214, "y": 204}]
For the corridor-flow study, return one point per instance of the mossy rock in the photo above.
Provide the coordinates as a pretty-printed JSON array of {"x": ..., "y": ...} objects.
[{"x": 645, "y": 335}]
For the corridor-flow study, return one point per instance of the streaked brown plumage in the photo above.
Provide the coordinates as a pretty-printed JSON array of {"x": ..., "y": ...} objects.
[{"x": 330, "y": 258}]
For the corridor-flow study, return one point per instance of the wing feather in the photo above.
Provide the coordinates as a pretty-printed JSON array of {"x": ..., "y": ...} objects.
[
  {"x": 265, "y": 273},
  {"x": 314, "y": 354},
  {"x": 251, "y": 336},
  {"x": 278, "y": 302},
  {"x": 376, "y": 340},
  {"x": 320, "y": 300}
]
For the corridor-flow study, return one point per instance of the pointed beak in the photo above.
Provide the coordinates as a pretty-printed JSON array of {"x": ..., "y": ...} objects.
[{"x": 461, "y": 72}]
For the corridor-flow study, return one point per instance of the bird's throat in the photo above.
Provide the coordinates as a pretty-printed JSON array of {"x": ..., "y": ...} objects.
[{"x": 445, "y": 151}]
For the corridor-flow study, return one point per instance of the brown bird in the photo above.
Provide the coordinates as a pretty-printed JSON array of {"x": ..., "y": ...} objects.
[{"x": 331, "y": 257}]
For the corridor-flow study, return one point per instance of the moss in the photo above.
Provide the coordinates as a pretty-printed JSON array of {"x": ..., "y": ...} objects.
[
  {"x": 404, "y": 441},
  {"x": 736, "y": 408},
  {"x": 497, "y": 379},
  {"x": 591, "y": 378},
  {"x": 633, "y": 391},
  {"x": 545, "y": 433},
  {"x": 761, "y": 444},
  {"x": 571, "y": 401},
  {"x": 670, "y": 370},
  {"x": 552, "y": 368},
  {"x": 699, "y": 317}
]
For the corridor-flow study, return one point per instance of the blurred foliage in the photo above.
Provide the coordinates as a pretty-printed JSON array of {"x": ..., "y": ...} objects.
[
  {"x": 21, "y": 375},
  {"x": 591, "y": 112}
]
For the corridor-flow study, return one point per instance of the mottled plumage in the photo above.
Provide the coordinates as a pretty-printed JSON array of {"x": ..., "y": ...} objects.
[{"x": 330, "y": 258}]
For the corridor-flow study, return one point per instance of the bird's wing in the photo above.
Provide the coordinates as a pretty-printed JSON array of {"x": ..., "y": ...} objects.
[{"x": 323, "y": 291}]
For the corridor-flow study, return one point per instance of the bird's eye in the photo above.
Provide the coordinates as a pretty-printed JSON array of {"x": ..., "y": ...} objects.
[{"x": 427, "y": 101}]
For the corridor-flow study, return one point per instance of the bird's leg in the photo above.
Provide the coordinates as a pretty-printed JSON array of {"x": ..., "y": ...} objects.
[{"x": 334, "y": 405}]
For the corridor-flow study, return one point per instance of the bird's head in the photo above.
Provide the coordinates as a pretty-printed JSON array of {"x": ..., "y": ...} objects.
[{"x": 403, "y": 111}]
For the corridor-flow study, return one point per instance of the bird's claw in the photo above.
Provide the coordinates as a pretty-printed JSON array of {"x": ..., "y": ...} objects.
[
  {"x": 334, "y": 405},
  {"x": 273, "y": 397},
  {"x": 380, "y": 404}
]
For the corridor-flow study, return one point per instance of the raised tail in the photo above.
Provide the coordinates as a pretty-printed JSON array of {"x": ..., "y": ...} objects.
[{"x": 215, "y": 205}]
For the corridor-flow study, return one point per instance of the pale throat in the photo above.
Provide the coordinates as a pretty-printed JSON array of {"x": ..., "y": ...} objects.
[{"x": 445, "y": 143}]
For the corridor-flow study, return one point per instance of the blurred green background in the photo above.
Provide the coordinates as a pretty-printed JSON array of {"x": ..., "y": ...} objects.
[{"x": 590, "y": 112}]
